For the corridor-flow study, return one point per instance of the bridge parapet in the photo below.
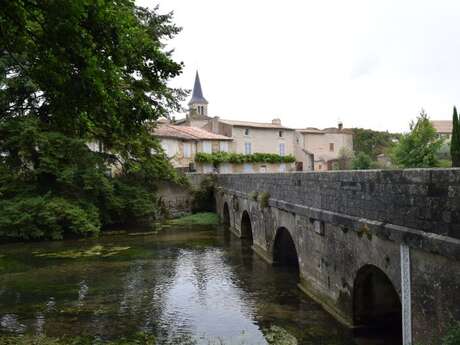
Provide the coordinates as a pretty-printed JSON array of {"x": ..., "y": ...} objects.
[{"x": 407, "y": 224}]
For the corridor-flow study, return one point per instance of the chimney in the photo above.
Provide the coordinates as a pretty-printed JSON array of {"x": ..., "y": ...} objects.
[
  {"x": 215, "y": 124},
  {"x": 340, "y": 126},
  {"x": 276, "y": 122}
]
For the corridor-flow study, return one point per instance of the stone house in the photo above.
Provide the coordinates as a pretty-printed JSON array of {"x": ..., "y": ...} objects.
[
  {"x": 443, "y": 128},
  {"x": 181, "y": 143},
  {"x": 314, "y": 149},
  {"x": 319, "y": 149},
  {"x": 247, "y": 137}
]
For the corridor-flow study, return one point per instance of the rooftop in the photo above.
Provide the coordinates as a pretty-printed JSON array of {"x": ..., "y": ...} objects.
[
  {"x": 197, "y": 94},
  {"x": 186, "y": 133},
  {"x": 442, "y": 126},
  {"x": 312, "y": 130},
  {"x": 269, "y": 125}
]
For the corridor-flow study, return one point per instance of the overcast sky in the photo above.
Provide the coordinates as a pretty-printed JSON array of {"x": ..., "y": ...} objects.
[{"x": 368, "y": 63}]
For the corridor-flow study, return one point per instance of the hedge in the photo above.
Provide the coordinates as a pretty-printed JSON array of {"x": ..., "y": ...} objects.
[{"x": 238, "y": 158}]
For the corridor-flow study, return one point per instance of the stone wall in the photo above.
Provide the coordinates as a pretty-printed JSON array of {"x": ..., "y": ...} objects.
[
  {"x": 342, "y": 222},
  {"x": 422, "y": 199}
]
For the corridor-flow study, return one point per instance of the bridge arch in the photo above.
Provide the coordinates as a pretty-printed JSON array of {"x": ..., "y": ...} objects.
[
  {"x": 376, "y": 303},
  {"x": 226, "y": 215},
  {"x": 246, "y": 226},
  {"x": 284, "y": 249}
]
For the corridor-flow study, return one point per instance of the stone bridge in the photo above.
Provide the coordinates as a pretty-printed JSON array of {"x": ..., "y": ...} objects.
[{"x": 378, "y": 249}]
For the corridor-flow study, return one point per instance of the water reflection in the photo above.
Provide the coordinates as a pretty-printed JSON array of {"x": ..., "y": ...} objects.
[{"x": 186, "y": 286}]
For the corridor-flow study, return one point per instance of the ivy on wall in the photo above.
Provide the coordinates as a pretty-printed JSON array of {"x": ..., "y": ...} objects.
[{"x": 238, "y": 158}]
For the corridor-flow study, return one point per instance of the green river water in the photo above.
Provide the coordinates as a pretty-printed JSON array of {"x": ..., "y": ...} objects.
[{"x": 185, "y": 285}]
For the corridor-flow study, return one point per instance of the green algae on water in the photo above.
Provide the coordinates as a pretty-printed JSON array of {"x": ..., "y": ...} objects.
[
  {"x": 276, "y": 335},
  {"x": 95, "y": 251},
  {"x": 140, "y": 338}
]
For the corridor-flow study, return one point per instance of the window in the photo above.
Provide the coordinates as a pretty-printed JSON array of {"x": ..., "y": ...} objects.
[
  {"x": 246, "y": 131},
  {"x": 165, "y": 147},
  {"x": 331, "y": 147},
  {"x": 247, "y": 168},
  {"x": 187, "y": 150},
  {"x": 280, "y": 133},
  {"x": 223, "y": 146},
  {"x": 282, "y": 149},
  {"x": 207, "y": 147},
  {"x": 263, "y": 169},
  {"x": 247, "y": 148},
  {"x": 282, "y": 167}
]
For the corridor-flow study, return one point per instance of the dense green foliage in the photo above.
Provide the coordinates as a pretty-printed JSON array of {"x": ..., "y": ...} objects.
[
  {"x": 453, "y": 335},
  {"x": 238, "y": 158},
  {"x": 361, "y": 161},
  {"x": 418, "y": 148},
  {"x": 455, "y": 142},
  {"x": 74, "y": 73},
  {"x": 372, "y": 143},
  {"x": 203, "y": 196}
]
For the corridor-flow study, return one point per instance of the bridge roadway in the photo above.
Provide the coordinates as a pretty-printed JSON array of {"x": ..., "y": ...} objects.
[{"x": 378, "y": 249}]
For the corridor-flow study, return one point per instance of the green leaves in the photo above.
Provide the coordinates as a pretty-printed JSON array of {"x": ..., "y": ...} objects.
[
  {"x": 238, "y": 158},
  {"x": 361, "y": 161},
  {"x": 73, "y": 73},
  {"x": 455, "y": 142},
  {"x": 372, "y": 143},
  {"x": 418, "y": 148}
]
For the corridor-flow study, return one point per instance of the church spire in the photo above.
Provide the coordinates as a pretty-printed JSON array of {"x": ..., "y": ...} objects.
[{"x": 198, "y": 104}]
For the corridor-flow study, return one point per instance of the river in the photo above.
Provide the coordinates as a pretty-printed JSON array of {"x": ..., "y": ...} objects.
[{"x": 185, "y": 285}]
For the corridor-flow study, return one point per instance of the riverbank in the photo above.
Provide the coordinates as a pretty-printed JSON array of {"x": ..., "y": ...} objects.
[{"x": 201, "y": 218}]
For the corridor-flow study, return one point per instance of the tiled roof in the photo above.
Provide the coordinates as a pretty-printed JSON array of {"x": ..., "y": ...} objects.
[
  {"x": 186, "y": 133},
  {"x": 311, "y": 130},
  {"x": 442, "y": 126},
  {"x": 268, "y": 125}
]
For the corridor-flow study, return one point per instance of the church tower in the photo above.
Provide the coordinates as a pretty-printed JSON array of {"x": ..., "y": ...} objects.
[{"x": 198, "y": 105}]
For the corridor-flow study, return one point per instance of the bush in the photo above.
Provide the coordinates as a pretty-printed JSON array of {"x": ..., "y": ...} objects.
[
  {"x": 361, "y": 162},
  {"x": 418, "y": 149},
  {"x": 203, "y": 198},
  {"x": 238, "y": 158},
  {"x": 453, "y": 335}
]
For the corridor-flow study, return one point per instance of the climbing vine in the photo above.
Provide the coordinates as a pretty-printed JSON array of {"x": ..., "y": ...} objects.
[{"x": 238, "y": 158}]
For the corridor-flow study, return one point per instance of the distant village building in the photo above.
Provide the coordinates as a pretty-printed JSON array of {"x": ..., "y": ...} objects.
[
  {"x": 250, "y": 137},
  {"x": 181, "y": 144},
  {"x": 443, "y": 128},
  {"x": 313, "y": 149},
  {"x": 319, "y": 149}
]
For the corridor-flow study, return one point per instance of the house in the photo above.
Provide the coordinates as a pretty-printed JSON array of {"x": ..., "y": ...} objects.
[
  {"x": 443, "y": 128},
  {"x": 181, "y": 144},
  {"x": 247, "y": 137},
  {"x": 319, "y": 149}
]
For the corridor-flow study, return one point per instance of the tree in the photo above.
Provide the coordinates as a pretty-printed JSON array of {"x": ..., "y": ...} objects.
[
  {"x": 361, "y": 161},
  {"x": 418, "y": 148},
  {"x": 73, "y": 73},
  {"x": 455, "y": 142},
  {"x": 372, "y": 143}
]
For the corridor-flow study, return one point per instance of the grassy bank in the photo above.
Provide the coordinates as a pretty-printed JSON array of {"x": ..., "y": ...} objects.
[{"x": 202, "y": 218}]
